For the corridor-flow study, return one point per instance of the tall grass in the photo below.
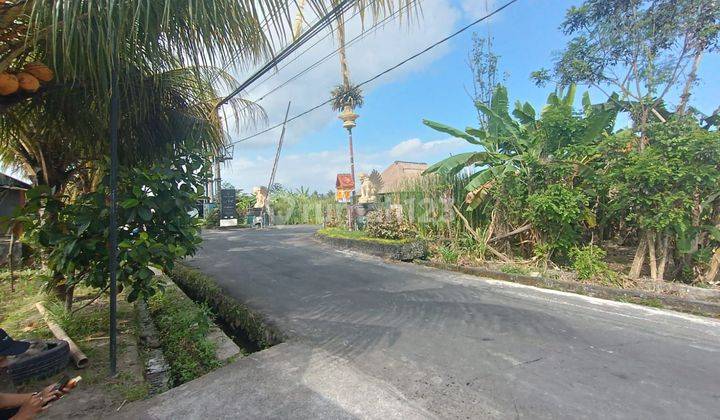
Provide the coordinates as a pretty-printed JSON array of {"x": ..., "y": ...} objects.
[{"x": 427, "y": 202}]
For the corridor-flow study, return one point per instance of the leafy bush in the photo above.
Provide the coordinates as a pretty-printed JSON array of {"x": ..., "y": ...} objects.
[
  {"x": 213, "y": 218},
  {"x": 588, "y": 262},
  {"x": 385, "y": 225},
  {"x": 514, "y": 269},
  {"x": 557, "y": 213}
]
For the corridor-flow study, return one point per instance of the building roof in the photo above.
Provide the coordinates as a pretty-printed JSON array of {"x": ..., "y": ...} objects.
[
  {"x": 6, "y": 181},
  {"x": 399, "y": 173},
  {"x": 344, "y": 182}
]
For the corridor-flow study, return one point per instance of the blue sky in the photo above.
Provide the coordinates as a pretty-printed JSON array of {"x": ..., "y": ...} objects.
[{"x": 434, "y": 87}]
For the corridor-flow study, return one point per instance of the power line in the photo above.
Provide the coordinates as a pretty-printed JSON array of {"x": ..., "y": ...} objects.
[
  {"x": 386, "y": 71},
  {"x": 321, "y": 24},
  {"x": 303, "y": 52},
  {"x": 335, "y": 52}
]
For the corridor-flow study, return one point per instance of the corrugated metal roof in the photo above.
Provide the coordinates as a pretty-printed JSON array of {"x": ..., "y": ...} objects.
[{"x": 8, "y": 181}]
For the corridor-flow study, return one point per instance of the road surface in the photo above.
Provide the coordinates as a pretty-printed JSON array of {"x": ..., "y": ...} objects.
[{"x": 371, "y": 339}]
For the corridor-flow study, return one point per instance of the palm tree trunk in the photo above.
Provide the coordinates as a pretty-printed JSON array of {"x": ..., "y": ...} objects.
[
  {"x": 297, "y": 26},
  {"x": 344, "y": 70}
]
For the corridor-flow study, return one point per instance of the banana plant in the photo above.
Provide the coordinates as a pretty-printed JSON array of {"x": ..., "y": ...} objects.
[{"x": 511, "y": 143}]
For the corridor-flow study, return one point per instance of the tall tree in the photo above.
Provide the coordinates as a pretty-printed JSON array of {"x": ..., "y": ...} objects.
[
  {"x": 645, "y": 49},
  {"x": 483, "y": 63},
  {"x": 641, "y": 48}
]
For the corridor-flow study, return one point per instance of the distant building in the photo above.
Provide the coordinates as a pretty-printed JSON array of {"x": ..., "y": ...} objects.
[
  {"x": 344, "y": 185},
  {"x": 399, "y": 174},
  {"x": 12, "y": 196}
]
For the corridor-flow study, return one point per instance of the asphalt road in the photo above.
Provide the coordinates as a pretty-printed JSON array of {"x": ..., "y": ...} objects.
[{"x": 371, "y": 339}]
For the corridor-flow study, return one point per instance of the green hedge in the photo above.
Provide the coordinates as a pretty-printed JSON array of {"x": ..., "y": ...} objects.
[{"x": 201, "y": 287}]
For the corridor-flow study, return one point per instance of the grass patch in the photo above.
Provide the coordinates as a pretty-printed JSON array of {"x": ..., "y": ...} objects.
[
  {"x": 88, "y": 327},
  {"x": 183, "y": 327},
  {"x": 651, "y": 302},
  {"x": 513, "y": 269},
  {"x": 359, "y": 235},
  {"x": 18, "y": 315},
  {"x": 243, "y": 323}
]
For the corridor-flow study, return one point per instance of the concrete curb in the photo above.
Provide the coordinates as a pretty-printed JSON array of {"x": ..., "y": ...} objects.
[
  {"x": 695, "y": 307},
  {"x": 407, "y": 251},
  {"x": 156, "y": 369}
]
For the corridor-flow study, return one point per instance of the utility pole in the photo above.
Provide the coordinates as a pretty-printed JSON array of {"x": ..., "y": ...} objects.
[{"x": 218, "y": 179}]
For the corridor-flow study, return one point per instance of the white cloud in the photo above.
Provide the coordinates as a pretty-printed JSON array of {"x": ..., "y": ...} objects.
[
  {"x": 416, "y": 149},
  {"x": 476, "y": 9},
  {"x": 317, "y": 170},
  {"x": 366, "y": 58},
  {"x": 377, "y": 51}
]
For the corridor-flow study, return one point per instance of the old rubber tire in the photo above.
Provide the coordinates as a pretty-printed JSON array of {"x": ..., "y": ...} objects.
[{"x": 42, "y": 365}]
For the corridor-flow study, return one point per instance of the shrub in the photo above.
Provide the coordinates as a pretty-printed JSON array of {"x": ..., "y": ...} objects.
[
  {"x": 154, "y": 225},
  {"x": 385, "y": 225},
  {"x": 213, "y": 218},
  {"x": 557, "y": 212},
  {"x": 448, "y": 255},
  {"x": 588, "y": 262}
]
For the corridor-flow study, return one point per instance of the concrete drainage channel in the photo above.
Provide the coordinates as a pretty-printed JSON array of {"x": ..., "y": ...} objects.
[{"x": 237, "y": 330}]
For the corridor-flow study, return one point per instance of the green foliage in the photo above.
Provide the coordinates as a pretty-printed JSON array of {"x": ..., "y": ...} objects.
[
  {"x": 662, "y": 183},
  {"x": 213, "y": 218},
  {"x": 386, "y": 225},
  {"x": 234, "y": 314},
  {"x": 342, "y": 96},
  {"x": 515, "y": 269},
  {"x": 302, "y": 207},
  {"x": 523, "y": 146},
  {"x": 243, "y": 203},
  {"x": 153, "y": 216},
  {"x": 557, "y": 213},
  {"x": 360, "y": 235},
  {"x": 588, "y": 262},
  {"x": 448, "y": 254},
  {"x": 183, "y": 327}
]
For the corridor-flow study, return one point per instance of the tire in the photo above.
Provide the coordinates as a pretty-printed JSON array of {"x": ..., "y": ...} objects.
[{"x": 42, "y": 365}]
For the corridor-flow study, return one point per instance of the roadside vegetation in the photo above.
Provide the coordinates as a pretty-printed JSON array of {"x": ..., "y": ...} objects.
[
  {"x": 183, "y": 327},
  {"x": 621, "y": 191},
  {"x": 563, "y": 185}
]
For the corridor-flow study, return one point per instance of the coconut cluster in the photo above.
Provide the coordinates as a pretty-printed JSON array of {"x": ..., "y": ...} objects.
[{"x": 28, "y": 80}]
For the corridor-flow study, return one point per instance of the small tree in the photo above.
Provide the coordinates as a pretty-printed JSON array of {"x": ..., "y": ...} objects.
[
  {"x": 483, "y": 63},
  {"x": 641, "y": 48},
  {"x": 155, "y": 226}
]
